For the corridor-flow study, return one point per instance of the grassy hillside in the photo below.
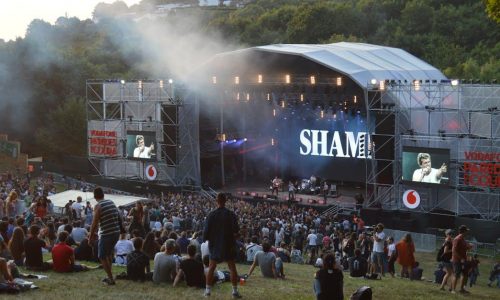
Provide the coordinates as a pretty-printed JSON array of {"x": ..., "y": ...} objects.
[{"x": 298, "y": 285}]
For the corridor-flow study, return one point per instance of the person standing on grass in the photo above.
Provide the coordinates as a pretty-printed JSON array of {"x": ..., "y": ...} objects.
[
  {"x": 221, "y": 229},
  {"x": 378, "y": 253},
  {"x": 446, "y": 259},
  {"x": 406, "y": 255},
  {"x": 459, "y": 258},
  {"x": 107, "y": 217}
]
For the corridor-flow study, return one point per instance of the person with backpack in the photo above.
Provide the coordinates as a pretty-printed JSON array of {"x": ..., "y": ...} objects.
[
  {"x": 444, "y": 256},
  {"x": 358, "y": 265}
]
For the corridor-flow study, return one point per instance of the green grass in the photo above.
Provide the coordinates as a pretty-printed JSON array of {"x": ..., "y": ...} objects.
[{"x": 298, "y": 285}]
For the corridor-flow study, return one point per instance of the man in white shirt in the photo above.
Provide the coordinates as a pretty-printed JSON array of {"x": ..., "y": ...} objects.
[
  {"x": 378, "y": 249},
  {"x": 77, "y": 206},
  {"x": 312, "y": 239},
  {"x": 122, "y": 248}
]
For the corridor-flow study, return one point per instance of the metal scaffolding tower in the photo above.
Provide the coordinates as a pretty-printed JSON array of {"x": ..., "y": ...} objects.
[
  {"x": 464, "y": 118},
  {"x": 158, "y": 108}
]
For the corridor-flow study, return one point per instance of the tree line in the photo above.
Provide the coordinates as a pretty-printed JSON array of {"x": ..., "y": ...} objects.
[{"x": 42, "y": 76}]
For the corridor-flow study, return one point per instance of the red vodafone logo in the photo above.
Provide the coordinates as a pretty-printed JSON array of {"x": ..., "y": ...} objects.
[
  {"x": 411, "y": 199},
  {"x": 150, "y": 172}
]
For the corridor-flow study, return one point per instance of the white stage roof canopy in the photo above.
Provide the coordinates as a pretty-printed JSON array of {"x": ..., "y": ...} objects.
[
  {"x": 361, "y": 62},
  {"x": 60, "y": 199}
]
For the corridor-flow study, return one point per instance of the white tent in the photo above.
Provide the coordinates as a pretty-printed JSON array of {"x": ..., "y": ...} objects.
[{"x": 60, "y": 199}]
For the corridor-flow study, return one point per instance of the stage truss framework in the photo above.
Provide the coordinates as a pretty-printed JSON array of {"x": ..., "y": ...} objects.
[
  {"x": 459, "y": 117},
  {"x": 150, "y": 106}
]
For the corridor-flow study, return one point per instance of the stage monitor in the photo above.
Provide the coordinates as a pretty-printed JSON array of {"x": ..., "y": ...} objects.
[
  {"x": 141, "y": 145},
  {"x": 426, "y": 165}
]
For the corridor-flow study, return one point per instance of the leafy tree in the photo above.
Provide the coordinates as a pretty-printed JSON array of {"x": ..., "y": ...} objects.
[
  {"x": 493, "y": 9},
  {"x": 65, "y": 130}
]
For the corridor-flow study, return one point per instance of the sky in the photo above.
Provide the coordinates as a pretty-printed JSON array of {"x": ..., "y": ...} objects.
[{"x": 16, "y": 15}]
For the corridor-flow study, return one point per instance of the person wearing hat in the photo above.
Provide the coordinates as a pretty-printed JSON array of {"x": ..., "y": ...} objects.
[
  {"x": 446, "y": 258},
  {"x": 459, "y": 257}
]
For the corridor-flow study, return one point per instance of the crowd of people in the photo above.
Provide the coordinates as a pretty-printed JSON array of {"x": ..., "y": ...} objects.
[{"x": 186, "y": 237}]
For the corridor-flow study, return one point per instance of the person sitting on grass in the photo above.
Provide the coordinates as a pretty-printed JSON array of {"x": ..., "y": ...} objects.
[
  {"x": 358, "y": 265},
  {"x": 85, "y": 252},
  {"x": 122, "y": 248},
  {"x": 269, "y": 265},
  {"x": 16, "y": 246},
  {"x": 138, "y": 262},
  {"x": 166, "y": 264},
  {"x": 416, "y": 272},
  {"x": 5, "y": 275},
  {"x": 191, "y": 270},
  {"x": 329, "y": 281},
  {"x": 33, "y": 249},
  {"x": 78, "y": 233},
  {"x": 63, "y": 256}
]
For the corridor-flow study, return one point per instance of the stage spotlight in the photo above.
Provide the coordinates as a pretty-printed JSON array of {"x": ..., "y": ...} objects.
[
  {"x": 355, "y": 99},
  {"x": 122, "y": 81},
  {"x": 301, "y": 97},
  {"x": 259, "y": 78},
  {"x": 161, "y": 84},
  {"x": 373, "y": 81},
  {"x": 248, "y": 96},
  {"x": 170, "y": 81},
  {"x": 214, "y": 79},
  {"x": 282, "y": 104},
  {"x": 139, "y": 84},
  {"x": 245, "y": 139},
  {"x": 454, "y": 82},
  {"x": 274, "y": 112},
  {"x": 287, "y": 78},
  {"x": 381, "y": 85},
  {"x": 236, "y": 80},
  {"x": 272, "y": 142},
  {"x": 268, "y": 97},
  {"x": 339, "y": 81},
  {"x": 416, "y": 84}
]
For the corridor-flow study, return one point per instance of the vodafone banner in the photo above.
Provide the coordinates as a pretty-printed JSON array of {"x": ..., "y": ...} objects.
[
  {"x": 411, "y": 199},
  {"x": 150, "y": 172}
]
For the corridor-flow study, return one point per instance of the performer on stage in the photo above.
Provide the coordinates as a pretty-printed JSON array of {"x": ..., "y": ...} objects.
[
  {"x": 326, "y": 189},
  {"x": 291, "y": 191},
  {"x": 276, "y": 182}
]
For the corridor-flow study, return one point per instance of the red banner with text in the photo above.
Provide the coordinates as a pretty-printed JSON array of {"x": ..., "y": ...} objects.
[{"x": 103, "y": 143}]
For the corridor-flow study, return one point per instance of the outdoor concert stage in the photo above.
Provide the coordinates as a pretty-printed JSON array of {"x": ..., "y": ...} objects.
[{"x": 345, "y": 196}]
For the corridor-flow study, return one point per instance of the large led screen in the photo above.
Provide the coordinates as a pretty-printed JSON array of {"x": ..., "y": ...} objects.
[
  {"x": 425, "y": 165},
  {"x": 141, "y": 145}
]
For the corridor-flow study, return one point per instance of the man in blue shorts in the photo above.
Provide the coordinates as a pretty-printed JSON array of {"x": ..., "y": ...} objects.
[{"x": 107, "y": 217}]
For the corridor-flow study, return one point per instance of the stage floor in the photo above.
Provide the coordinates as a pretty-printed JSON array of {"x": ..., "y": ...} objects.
[{"x": 345, "y": 195}]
